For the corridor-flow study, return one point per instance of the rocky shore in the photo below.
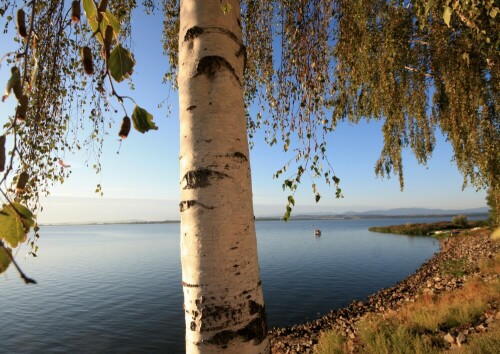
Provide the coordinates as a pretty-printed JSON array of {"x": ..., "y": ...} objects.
[{"x": 461, "y": 252}]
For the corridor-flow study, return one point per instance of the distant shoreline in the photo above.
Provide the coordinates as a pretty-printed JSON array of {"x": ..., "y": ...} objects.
[{"x": 276, "y": 218}]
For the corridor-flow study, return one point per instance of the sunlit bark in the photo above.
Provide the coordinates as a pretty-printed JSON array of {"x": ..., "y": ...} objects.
[{"x": 223, "y": 302}]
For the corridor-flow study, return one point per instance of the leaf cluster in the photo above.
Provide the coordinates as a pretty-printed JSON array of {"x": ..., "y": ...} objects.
[
  {"x": 418, "y": 66},
  {"x": 57, "y": 100}
]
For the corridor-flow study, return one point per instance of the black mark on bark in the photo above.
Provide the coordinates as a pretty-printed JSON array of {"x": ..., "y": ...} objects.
[
  {"x": 186, "y": 204},
  {"x": 190, "y": 108},
  {"x": 192, "y": 33},
  {"x": 190, "y": 285},
  {"x": 221, "y": 339},
  {"x": 196, "y": 31},
  {"x": 254, "y": 307},
  {"x": 240, "y": 52},
  {"x": 256, "y": 330},
  {"x": 212, "y": 316},
  {"x": 201, "y": 178},
  {"x": 210, "y": 65},
  {"x": 193, "y": 326},
  {"x": 238, "y": 155}
]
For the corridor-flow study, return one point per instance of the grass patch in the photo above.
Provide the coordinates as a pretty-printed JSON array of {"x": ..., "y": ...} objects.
[
  {"x": 490, "y": 265},
  {"x": 463, "y": 306},
  {"x": 381, "y": 336},
  {"x": 331, "y": 342},
  {"x": 456, "y": 267}
]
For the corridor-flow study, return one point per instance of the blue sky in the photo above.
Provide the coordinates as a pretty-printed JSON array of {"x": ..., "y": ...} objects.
[{"x": 142, "y": 182}]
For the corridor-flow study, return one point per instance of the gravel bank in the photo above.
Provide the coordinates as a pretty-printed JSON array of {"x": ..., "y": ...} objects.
[{"x": 463, "y": 250}]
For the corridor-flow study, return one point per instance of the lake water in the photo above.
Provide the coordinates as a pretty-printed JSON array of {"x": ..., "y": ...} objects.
[{"x": 117, "y": 288}]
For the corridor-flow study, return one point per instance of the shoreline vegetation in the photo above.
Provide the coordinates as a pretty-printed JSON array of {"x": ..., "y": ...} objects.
[
  {"x": 452, "y": 302},
  {"x": 437, "y": 229}
]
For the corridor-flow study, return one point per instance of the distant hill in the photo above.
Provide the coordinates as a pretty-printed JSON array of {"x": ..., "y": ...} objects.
[
  {"x": 421, "y": 211},
  {"x": 398, "y": 212}
]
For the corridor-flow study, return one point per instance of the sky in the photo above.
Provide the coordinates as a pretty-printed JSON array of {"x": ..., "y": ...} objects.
[{"x": 142, "y": 181}]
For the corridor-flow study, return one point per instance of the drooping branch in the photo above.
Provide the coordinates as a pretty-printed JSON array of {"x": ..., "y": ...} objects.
[{"x": 24, "y": 277}]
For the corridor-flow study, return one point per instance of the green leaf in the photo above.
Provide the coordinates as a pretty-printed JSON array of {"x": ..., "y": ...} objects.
[
  {"x": 287, "y": 183},
  {"x": 494, "y": 11},
  {"x": 26, "y": 216},
  {"x": 286, "y": 217},
  {"x": 317, "y": 197},
  {"x": 121, "y": 64},
  {"x": 112, "y": 21},
  {"x": 4, "y": 259},
  {"x": 447, "y": 15},
  {"x": 428, "y": 5},
  {"x": 107, "y": 19},
  {"x": 143, "y": 120},
  {"x": 14, "y": 225},
  {"x": 291, "y": 200},
  {"x": 89, "y": 8}
]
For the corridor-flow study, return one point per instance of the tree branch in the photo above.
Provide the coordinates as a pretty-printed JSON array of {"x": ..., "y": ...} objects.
[
  {"x": 418, "y": 71},
  {"x": 27, "y": 280}
]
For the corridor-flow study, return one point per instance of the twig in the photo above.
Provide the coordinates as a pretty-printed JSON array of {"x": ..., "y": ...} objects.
[
  {"x": 418, "y": 71},
  {"x": 27, "y": 280}
]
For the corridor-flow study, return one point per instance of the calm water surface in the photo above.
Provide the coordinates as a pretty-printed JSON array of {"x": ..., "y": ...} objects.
[{"x": 117, "y": 288}]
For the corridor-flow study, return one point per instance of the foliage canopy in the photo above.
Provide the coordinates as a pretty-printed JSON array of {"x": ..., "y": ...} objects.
[{"x": 416, "y": 65}]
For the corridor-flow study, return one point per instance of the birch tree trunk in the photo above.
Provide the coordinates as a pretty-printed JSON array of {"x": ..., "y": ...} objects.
[{"x": 223, "y": 301}]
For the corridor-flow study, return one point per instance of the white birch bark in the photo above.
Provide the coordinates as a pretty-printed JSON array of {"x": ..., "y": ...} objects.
[{"x": 223, "y": 302}]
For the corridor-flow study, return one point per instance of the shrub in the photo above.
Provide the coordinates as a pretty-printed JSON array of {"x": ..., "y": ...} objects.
[{"x": 460, "y": 220}]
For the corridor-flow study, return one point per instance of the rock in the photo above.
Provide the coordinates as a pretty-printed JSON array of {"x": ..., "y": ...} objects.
[
  {"x": 460, "y": 339},
  {"x": 481, "y": 328},
  {"x": 428, "y": 291},
  {"x": 449, "y": 338}
]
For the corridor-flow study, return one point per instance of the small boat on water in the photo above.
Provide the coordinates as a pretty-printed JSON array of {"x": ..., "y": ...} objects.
[{"x": 317, "y": 232}]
